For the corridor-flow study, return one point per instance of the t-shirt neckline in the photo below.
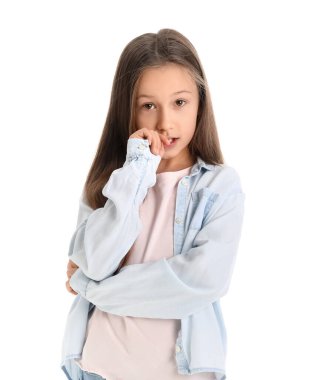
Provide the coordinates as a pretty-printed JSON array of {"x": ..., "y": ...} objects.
[{"x": 174, "y": 172}]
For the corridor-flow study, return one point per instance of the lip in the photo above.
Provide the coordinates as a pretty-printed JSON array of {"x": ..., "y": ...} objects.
[{"x": 172, "y": 144}]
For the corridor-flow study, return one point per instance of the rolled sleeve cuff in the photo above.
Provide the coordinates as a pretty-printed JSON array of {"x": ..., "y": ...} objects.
[{"x": 137, "y": 147}]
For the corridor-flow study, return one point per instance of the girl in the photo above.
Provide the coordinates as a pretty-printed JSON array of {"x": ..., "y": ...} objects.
[{"x": 158, "y": 227}]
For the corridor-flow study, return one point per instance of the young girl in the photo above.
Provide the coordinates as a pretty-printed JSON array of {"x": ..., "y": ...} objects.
[{"x": 158, "y": 227}]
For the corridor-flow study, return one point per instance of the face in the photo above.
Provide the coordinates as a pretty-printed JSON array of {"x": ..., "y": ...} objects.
[{"x": 167, "y": 102}]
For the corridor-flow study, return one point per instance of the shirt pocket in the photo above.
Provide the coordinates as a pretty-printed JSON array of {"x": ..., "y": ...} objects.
[{"x": 201, "y": 204}]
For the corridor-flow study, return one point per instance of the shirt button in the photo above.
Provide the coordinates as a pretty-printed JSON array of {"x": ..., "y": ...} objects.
[
  {"x": 178, "y": 348},
  {"x": 178, "y": 220},
  {"x": 142, "y": 146},
  {"x": 184, "y": 182}
]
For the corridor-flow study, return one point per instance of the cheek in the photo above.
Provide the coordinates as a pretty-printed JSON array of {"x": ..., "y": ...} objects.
[
  {"x": 139, "y": 121},
  {"x": 189, "y": 118},
  {"x": 194, "y": 116},
  {"x": 145, "y": 120}
]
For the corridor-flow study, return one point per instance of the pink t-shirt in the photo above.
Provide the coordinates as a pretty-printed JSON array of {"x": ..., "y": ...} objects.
[{"x": 131, "y": 348}]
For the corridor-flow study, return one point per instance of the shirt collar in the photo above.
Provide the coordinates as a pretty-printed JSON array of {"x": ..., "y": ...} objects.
[{"x": 201, "y": 164}]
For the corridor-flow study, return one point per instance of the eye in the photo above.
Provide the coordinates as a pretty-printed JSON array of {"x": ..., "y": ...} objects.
[
  {"x": 148, "y": 106},
  {"x": 180, "y": 102}
]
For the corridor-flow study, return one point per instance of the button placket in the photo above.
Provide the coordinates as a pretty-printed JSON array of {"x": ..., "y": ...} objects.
[{"x": 184, "y": 183}]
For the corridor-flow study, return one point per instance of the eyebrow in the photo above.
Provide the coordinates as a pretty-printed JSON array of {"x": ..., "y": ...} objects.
[{"x": 151, "y": 96}]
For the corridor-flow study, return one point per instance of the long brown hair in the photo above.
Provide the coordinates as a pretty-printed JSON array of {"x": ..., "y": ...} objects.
[{"x": 145, "y": 51}]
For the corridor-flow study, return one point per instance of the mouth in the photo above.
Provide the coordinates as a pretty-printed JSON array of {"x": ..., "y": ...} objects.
[{"x": 172, "y": 141}]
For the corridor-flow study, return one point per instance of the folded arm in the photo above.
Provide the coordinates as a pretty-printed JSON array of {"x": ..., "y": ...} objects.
[
  {"x": 105, "y": 235},
  {"x": 180, "y": 285}
]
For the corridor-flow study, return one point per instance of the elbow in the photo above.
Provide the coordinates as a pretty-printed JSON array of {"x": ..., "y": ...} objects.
[{"x": 217, "y": 286}]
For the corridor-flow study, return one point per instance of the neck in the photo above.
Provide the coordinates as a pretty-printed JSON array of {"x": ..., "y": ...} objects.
[{"x": 167, "y": 166}]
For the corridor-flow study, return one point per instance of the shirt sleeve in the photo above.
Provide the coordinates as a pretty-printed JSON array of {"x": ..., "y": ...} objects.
[
  {"x": 104, "y": 236},
  {"x": 178, "y": 286}
]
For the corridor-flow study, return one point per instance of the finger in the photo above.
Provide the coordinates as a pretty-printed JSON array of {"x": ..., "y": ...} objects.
[
  {"x": 69, "y": 273},
  {"x": 69, "y": 267},
  {"x": 158, "y": 142},
  {"x": 142, "y": 133},
  {"x": 70, "y": 289},
  {"x": 71, "y": 264},
  {"x": 164, "y": 139},
  {"x": 146, "y": 134},
  {"x": 155, "y": 144}
]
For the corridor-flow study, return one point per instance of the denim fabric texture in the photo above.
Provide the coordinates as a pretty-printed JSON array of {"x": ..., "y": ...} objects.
[{"x": 188, "y": 286}]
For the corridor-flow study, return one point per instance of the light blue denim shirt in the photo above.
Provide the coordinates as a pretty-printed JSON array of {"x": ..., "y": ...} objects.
[{"x": 187, "y": 286}]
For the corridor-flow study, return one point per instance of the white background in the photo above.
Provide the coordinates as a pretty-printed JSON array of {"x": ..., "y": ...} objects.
[{"x": 57, "y": 64}]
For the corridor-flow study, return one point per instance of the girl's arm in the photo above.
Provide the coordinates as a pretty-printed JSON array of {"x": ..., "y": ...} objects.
[
  {"x": 178, "y": 286},
  {"x": 105, "y": 235}
]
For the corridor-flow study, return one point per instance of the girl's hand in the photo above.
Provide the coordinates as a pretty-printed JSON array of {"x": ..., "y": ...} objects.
[
  {"x": 156, "y": 140},
  {"x": 71, "y": 269}
]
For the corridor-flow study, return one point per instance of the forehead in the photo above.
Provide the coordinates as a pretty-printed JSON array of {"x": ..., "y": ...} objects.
[{"x": 167, "y": 78}]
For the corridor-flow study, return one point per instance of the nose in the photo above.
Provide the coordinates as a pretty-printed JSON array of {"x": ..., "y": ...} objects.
[{"x": 164, "y": 122}]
